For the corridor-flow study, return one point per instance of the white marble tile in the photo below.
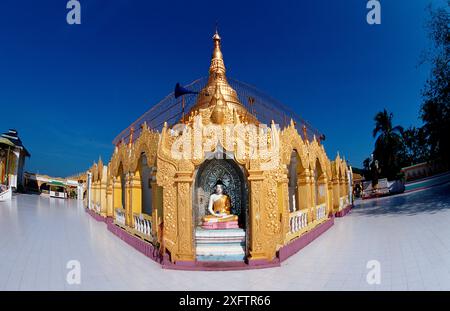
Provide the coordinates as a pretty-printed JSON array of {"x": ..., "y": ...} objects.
[{"x": 38, "y": 236}]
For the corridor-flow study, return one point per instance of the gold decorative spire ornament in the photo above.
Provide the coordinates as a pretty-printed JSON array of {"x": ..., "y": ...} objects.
[
  {"x": 217, "y": 68},
  {"x": 218, "y": 86},
  {"x": 219, "y": 104}
]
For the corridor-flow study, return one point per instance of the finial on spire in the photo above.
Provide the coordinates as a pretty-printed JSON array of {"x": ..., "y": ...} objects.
[
  {"x": 217, "y": 67},
  {"x": 216, "y": 33}
]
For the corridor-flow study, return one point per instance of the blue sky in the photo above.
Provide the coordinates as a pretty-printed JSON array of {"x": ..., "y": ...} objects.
[{"x": 70, "y": 89}]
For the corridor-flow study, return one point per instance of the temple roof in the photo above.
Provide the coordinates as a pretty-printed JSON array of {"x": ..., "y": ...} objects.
[{"x": 13, "y": 137}]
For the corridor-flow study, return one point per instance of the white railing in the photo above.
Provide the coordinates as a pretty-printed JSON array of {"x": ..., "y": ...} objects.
[
  {"x": 297, "y": 221},
  {"x": 343, "y": 201},
  {"x": 320, "y": 211},
  {"x": 143, "y": 224},
  {"x": 120, "y": 216}
]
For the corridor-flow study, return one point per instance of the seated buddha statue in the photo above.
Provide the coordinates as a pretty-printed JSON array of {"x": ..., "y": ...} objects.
[{"x": 219, "y": 206}]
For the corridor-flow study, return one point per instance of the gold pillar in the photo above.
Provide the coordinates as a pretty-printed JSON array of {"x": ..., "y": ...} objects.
[
  {"x": 157, "y": 211},
  {"x": 335, "y": 195},
  {"x": 128, "y": 198},
  {"x": 109, "y": 200},
  {"x": 94, "y": 194},
  {"x": 117, "y": 193},
  {"x": 183, "y": 182},
  {"x": 342, "y": 191},
  {"x": 303, "y": 191},
  {"x": 135, "y": 202},
  {"x": 344, "y": 187},
  {"x": 312, "y": 197},
  {"x": 256, "y": 249},
  {"x": 322, "y": 183},
  {"x": 103, "y": 197},
  {"x": 330, "y": 198},
  {"x": 97, "y": 192},
  {"x": 283, "y": 199}
]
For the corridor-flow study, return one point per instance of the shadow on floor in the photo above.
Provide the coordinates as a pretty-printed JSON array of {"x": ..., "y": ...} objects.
[{"x": 427, "y": 201}]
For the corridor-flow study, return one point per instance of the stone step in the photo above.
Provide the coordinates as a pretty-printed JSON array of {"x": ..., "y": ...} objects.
[
  {"x": 220, "y": 245},
  {"x": 200, "y": 232},
  {"x": 234, "y": 249},
  {"x": 227, "y": 258}
]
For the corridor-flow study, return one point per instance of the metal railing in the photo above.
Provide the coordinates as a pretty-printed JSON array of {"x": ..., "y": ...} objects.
[{"x": 259, "y": 104}]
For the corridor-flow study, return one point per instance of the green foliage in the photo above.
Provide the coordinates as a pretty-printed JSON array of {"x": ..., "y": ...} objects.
[
  {"x": 389, "y": 145},
  {"x": 395, "y": 147},
  {"x": 435, "y": 110},
  {"x": 417, "y": 149}
]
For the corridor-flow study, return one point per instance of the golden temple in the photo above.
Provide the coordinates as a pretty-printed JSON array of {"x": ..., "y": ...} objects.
[{"x": 282, "y": 186}]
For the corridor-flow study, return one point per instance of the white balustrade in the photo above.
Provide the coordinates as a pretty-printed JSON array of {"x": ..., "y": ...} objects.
[
  {"x": 343, "y": 201},
  {"x": 143, "y": 224},
  {"x": 297, "y": 221},
  {"x": 320, "y": 211},
  {"x": 120, "y": 216}
]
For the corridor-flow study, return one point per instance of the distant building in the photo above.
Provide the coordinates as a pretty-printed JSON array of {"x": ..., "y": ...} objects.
[{"x": 12, "y": 158}]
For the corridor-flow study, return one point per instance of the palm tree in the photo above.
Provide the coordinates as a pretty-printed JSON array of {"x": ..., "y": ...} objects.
[{"x": 388, "y": 144}]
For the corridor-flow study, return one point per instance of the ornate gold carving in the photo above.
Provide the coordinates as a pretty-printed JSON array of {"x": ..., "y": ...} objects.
[
  {"x": 268, "y": 187},
  {"x": 146, "y": 143}
]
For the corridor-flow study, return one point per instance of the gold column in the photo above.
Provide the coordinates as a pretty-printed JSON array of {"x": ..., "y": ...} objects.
[
  {"x": 183, "y": 182},
  {"x": 256, "y": 249},
  {"x": 330, "y": 207},
  {"x": 109, "y": 200},
  {"x": 303, "y": 190},
  {"x": 311, "y": 196},
  {"x": 283, "y": 198},
  {"x": 103, "y": 197},
  {"x": 322, "y": 182},
  {"x": 156, "y": 205},
  {"x": 342, "y": 191},
  {"x": 128, "y": 199},
  {"x": 91, "y": 197},
  {"x": 94, "y": 194},
  {"x": 135, "y": 189},
  {"x": 117, "y": 193},
  {"x": 312, "y": 191},
  {"x": 335, "y": 195}
]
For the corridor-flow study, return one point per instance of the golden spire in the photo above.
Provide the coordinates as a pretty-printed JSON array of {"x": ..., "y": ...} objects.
[
  {"x": 217, "y": 68},
  {"x": 217, "y": 79},
  {"x": 218, "y": 95}
]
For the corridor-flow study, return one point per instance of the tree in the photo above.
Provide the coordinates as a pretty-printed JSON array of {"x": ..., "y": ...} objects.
[
  {"x": 388, "y": 144},
  {"x": 435, "y": 110},
  {"x": 366, "y": 172},
  {"x": 416, "y": 146}
]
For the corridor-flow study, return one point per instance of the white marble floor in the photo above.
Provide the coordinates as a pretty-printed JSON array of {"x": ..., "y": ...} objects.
[{"x": 408, "y": 235}]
